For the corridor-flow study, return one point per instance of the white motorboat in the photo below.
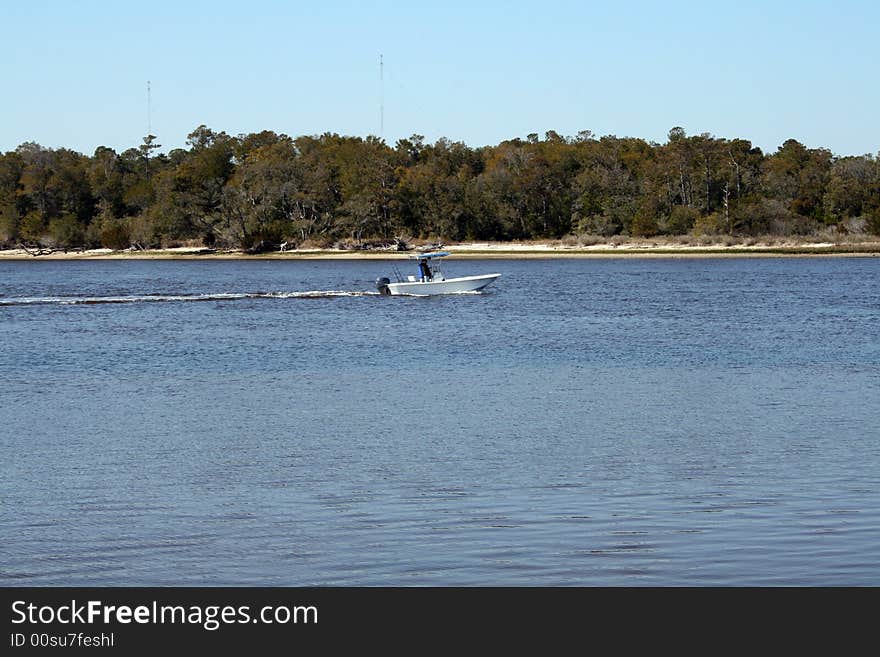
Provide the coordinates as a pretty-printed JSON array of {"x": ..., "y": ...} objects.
[{"x": 431, "y": 279}]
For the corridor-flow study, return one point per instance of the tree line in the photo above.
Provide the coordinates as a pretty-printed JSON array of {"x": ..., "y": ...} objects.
[{"x": 263, "y": 189}]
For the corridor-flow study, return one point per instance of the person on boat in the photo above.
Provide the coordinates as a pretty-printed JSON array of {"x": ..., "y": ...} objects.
[{"x": 425, "y": 269}]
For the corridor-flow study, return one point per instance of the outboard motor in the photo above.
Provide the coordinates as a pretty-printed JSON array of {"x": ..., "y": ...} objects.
[{"x": 382, "y": 286}]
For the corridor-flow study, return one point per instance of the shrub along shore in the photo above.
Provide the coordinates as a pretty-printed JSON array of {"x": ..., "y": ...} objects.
[{"x": 682, "y": 247}]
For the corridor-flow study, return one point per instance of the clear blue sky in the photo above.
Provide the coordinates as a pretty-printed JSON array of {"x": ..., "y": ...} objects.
[{"x": 75, "y": 71}]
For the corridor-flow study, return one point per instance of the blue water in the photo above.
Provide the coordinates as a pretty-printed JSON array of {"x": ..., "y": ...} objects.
[{"x": 582, "y": 422}]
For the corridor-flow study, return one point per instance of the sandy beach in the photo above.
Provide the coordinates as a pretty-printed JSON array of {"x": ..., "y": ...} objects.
[{"x": 628, "y": 248}]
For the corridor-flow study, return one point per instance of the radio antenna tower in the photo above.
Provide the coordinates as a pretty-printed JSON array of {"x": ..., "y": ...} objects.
[
  {"x": 149, "y": 111},
  {"x": 381, "y": 99}
]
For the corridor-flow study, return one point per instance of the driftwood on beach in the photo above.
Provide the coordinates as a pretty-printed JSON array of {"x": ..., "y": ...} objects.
[{"x": 36, "y": 251}]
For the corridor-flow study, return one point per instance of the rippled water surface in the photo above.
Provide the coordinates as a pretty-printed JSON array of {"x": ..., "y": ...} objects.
[{"x": 582, "y": 422}]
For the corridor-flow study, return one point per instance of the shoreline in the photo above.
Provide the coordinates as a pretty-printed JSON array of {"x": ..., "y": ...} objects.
[{"x": 483, "y": 250}]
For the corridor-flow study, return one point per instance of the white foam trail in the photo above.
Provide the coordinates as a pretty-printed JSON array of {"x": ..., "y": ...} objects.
[{"x": 153, "y": 298}]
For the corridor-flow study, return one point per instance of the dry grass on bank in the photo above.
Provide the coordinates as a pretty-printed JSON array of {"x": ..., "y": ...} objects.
[{"x": 570, "y": 246}]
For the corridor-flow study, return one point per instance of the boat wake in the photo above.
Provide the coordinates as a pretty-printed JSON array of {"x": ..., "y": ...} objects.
[{"x": 168, "y": 298}]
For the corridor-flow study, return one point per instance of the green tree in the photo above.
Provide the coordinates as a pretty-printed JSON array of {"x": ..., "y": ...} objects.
[
  {"x": 797, "y": 176},
  {"x": 260, "y": 199},
  {"x": 11, "y": 197},
  {"x": 849, "y": 185}
]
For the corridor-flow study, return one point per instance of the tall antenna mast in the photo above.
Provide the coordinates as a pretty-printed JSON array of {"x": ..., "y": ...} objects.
[
  {"x": 381, "y": 98},
  {"x": 149, "y": 111}
]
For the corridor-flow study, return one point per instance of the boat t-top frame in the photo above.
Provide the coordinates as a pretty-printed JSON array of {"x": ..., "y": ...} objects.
[{"x": 429, "y": 265}]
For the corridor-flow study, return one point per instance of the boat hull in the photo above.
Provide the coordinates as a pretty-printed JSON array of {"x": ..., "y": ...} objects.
[{"x": 447, "y": 286}]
